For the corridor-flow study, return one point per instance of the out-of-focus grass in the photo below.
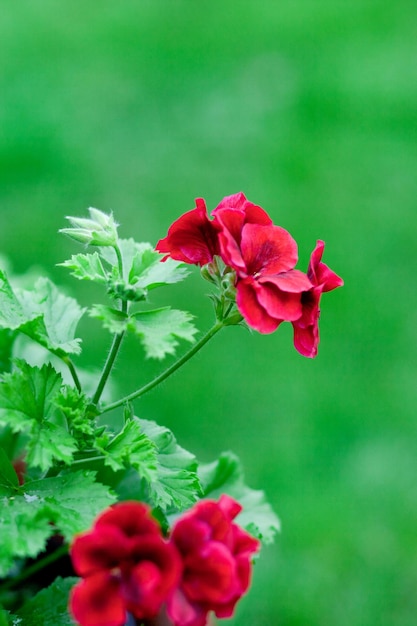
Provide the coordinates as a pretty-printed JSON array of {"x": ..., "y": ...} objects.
[{"x": 309, "y": 108}]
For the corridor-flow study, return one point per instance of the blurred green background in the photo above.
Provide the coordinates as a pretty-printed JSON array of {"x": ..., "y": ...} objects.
[{"x": 310, "y": 108}]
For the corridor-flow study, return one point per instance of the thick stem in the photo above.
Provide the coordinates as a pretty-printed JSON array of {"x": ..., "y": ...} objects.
[{"x": 173, "y": 368}]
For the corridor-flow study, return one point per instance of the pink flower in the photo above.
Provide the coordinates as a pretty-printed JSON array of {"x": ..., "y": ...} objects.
[
  {"x": 216, "y": 555},
  {"x": 125, "y": 564},
  {"x": 192, "y": 238},
  {"x": 306, "y": 331}
]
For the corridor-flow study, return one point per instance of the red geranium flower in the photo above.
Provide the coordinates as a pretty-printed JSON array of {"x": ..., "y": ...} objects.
[
  {"x": 126, "y": 566},
  {"x": 263, "y": 256},
  {"x": 306, "y": 331},
  {"x": 216, "y": 555},
  {"x": 192, "y": 238}
]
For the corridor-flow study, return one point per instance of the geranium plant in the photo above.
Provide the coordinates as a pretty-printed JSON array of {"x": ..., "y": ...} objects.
[{"x": 107, "y": 526}]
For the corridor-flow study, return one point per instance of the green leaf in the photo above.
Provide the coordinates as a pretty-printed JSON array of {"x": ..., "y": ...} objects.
[
  {"x": 12, "y": 315},
  {"x": 148, "y": 271},
  {"x": 132, "y": 448},
  {"x": 49, "y": 607},
  {"x": 177, "y": 486},
  {"x": 8, "y": 476},
  {"x": 65, "y": 504},
  {"x": 60, "y": 315},
  {"x": 226, "y": 476},
  {"x": 79, "y": 413},
  {"x": 143, "y": 270},
  {"x": 73, "y": 500},
  {"x": 159, "y": 330},
  {"x": 112, "y": 319},
  {"x": 27, "y": 405},
  {"x": 48, "y": 443},
  {"x": 7, "y": 338},
  {"x": 24, "y": 528},
  {"x": 44, "y": 314},
  {"x": 87, "y": 267},
  {"x": 26, "y": 394}
]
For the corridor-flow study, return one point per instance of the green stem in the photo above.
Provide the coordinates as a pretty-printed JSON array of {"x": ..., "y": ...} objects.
[
  {"x": 173, "y": 368},
  {"x": 117, "y": 340},
  {"x": 111, "y": 357},
  {"x": 32, "y": 569},
  {"x": 73, "y": 371}
]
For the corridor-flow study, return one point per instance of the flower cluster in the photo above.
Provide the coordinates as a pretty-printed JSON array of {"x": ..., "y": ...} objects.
[
  {"x": 262, "y": 257},
  {"x": 128, "y": 567}
]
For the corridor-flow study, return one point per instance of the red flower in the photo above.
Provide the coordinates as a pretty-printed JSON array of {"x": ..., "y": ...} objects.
[
  {"x": 126, "y": 566},
  {"x": 263, "y": 256},
  {"x": 306, "y": 331},
  {"x": 192, "y": 238},
  {"x": 216, "y": 555}
]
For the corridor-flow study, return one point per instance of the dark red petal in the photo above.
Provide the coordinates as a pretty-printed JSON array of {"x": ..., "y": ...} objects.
[
  {"x": 209, "y": 512},
  {"x": 163, "y": 554},
  {"x": 310, "y": 302},
  {"x": 254, "y": 214},
  {"x": 306, "y": 339},
  {"x": 99, "y": 549},
  {"x": 132, "y": 518},
  {"x": 189, "y": 532},
  {"x": 142, "y": 590},
  {"x": 267, "y": 249},
  {"x": 182, "y": 612},
  {"x": 255, "y": 315},
  {"x": 327, "y": 278},
  {"x": 210, "y": 575},
  {"x": 192, "y": 238},
  {"x": 230, "y": 223},
  {"x": 235, "y": 201},
  {"x": 292, "y": 281},
  {"x": 96, "y": 601},
  {"x": 244, "y": 543},
  {"x": 319, "y": 273},
  {"x": 279, "y": 304}
]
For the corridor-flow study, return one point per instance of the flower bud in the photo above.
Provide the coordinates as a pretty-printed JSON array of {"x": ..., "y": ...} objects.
[{"x": 100, "y": 230}]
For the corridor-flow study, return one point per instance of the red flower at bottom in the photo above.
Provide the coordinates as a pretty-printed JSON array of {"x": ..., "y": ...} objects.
[
  {"x": 126, "y": 565},
  {"x": 216, "y": 555}
]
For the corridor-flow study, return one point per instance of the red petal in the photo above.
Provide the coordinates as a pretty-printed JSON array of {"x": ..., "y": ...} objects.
[
  {"x": 255, "y": 315},
  {"x": 267, "y": 249},
  {"x": 319, "y": 273},
  {"x": 182, "y": 612},
  {"x": 229, "y": 506},
  {"x": 162, "y": 554},
  {"x": 142, "y": 591},
  {"x": 306, "y": 340},
  {"x": 192, "y": 238},
  {"x": 189, "y": 532},
  {"x": 210, "y": 575},
  {"x": 293, "y": 281},
  {"x": 97, "y": 550},
  {"x": 132, "y": 518},
  {"x": 279, "y": 304},
  {"x": 96, "y": 601},
  {"x": 254, "y": 214}
]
